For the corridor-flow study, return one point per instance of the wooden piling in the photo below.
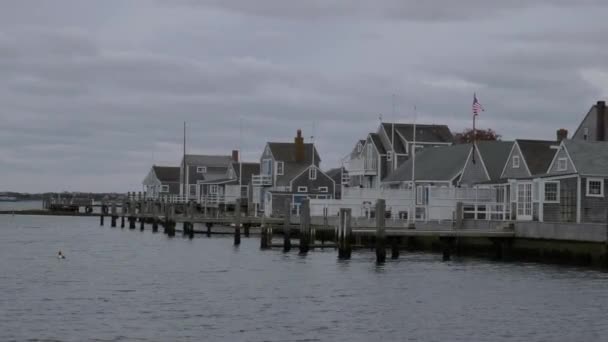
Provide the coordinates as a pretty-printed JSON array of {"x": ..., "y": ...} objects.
[
  {"x": 344, "y": 234},
  {"x": 209, "y": 225},
  {"x": 264, "y": 238},
  {"x": 237, "y": 222},
  {"x": 395, "y": 247},
  {"x": 246, "y": 228},
  {"x": 447, "y": 244},
  {"x": 114, "y": 215},
  {"x": 287, "y": 226},
  {"x": 305, "y": 226},
  {"x": 132, "y": 222},
  {"x": 380, "y": 231}
]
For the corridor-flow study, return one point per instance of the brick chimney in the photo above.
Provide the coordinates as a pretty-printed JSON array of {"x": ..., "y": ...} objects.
[
  {"x": 300, "y": 154},
  {"x": 562, "y": 134},
  {"x": 601, "y": 120},
  {"x": 235, "y": 155}
]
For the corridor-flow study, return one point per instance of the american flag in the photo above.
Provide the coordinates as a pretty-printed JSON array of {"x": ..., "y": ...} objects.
[{"x": 476, "y": 105}]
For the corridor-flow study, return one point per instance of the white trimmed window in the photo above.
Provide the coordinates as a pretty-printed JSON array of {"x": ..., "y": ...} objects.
[
  {"x": 302, "y": 189},
  {"x": 201, "y": 169},
  {"x": 516, "y": 162},
  {"x": 213, "y": 189},
  {"x": 312, "y": 173},
  {"x": 231, "y": 174},
  {"x": 389, "y": 155},
  {"x": 562, "y": 164},
  {"x": 595, "y": 187},
  {"x": 359, "y": 147},
  {"x": 280, "y": 168},
  {"x": 323, "y": 189},
  {"x": 192, "y": 189},
  {"x": 164, "y": 188},
  {"x": 551, "y": 192}
]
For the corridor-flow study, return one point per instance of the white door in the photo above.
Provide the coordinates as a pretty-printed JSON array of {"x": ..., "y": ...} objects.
[{"x": 524, "y": 201}]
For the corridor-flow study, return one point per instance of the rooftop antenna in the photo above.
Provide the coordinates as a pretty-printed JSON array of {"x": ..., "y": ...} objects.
[{"x": 312, "y": 138}]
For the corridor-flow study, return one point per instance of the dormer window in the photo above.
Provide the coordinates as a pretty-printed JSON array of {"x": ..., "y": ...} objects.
[
  {"x": 562, "y": 164},
  {"x": 280, "y": 168},
  {"x": 201, "y": 169},
  {"x": 312, "y": 173},
  {"x": 516, "y": 162}
]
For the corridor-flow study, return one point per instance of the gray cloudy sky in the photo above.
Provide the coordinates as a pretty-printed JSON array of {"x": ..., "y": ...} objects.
[{"x": 93, "y": 92}]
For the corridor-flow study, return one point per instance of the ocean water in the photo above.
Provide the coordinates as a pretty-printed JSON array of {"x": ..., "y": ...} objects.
[{"x": 126, "y": 285}]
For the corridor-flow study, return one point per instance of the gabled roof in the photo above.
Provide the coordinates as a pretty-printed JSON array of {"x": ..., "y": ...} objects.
[
  {"x": 167, "y": 174},
  {"x": 377, "y": 142},
  {"x": 424, "y": 132},
  {"x": 589, "y": 158},
  {"x": 249, "y": 169},
  {"x": 286, "y": 152},
  {"x": 208, "y": 160},
  {"x": 290, "y": 172},
  {"x": 336, "y": 174},
  {"x": 538, "y": 154},
  {"x": 433, "y": 164},
  {"x": 494, "y": 155}
]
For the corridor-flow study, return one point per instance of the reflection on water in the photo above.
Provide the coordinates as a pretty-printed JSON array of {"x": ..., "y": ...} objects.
[{"x": 130, "y": 285}]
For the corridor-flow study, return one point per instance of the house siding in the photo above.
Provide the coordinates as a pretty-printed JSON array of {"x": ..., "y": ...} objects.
[
  {"x": 565, "y": 210},
  {"x": 473, "y": 172},
  {"x": 590, "y": 122},
  {"x": 513, "y": 172},
  {"x": 313, "y": 185},
  {"x": 561, "y": 154},
  {"x": 593, "y": 209}
]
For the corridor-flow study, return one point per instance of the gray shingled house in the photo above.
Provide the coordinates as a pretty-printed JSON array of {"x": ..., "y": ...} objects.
[
  {"x": 485, "y": 162},
  {"x": 382, "y": 152},
  {"x": 196, "y": 169},
  {"x": 289, "y": 171},
  {"x": 441, "y": 166},
  {"x": 594, "y": 126},
  {"x": 575, "y": 187},
  {"x": 161, "y": 180},
  {"x": 527, "y": 160},
  {"x": 225, "y": 191}
]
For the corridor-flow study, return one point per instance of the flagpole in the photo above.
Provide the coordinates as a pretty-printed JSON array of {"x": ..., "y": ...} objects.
[
  {"x": 240, "y": 158},
  {"x": 414, "y": 190},
  {"x": 185, "y": 165},
  {"x": 393, "y": 134}
]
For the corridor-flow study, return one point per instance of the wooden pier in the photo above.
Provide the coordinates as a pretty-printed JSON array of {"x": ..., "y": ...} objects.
[{"x": 344, "y": 236}]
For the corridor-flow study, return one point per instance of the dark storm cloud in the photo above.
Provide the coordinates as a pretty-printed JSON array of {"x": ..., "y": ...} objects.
[
  {"x": 95, "y": 92},
  {"x": 384, "y": 9}
]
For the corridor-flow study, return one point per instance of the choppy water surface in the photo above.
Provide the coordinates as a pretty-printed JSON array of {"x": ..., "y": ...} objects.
[{"x": 122, "y": 285}]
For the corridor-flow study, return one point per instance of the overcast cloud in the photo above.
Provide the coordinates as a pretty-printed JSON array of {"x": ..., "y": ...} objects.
[{"x": 93, "y": 93}]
